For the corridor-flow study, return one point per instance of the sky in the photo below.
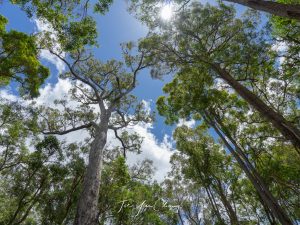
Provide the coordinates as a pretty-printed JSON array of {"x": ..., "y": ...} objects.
[{"x": 114, "y": 28}]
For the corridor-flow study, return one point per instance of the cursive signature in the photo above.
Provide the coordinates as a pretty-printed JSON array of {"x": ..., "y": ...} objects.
[{"x": 143, "y": 206}]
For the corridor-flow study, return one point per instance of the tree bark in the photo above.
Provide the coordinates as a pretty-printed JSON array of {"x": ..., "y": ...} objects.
[
  {"x": 287, "y": 129},
  {"x": 253, "y": 176},
  {"x": 291, "y": 11},
  {"x": 214, "y": 204},
  {"x": 231, "y": 213},
  {"x": 87, "y": 206},
  {"x": 269, "y": 215}
]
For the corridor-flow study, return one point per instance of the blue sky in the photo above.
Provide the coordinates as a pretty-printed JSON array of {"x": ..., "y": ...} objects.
[{"x": 114, "y": 28}]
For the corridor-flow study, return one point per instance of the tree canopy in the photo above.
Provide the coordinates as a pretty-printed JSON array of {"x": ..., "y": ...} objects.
[
  {"x": 232, "y": 98},
  {"x": 19, "y": 60}
]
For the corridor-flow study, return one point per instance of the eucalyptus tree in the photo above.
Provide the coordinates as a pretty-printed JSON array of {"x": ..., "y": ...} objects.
[
  {"x": 41, "y": 177},
  {"x": 286, "y": 32},
  {"x": 208, "y": 166},
  {"x": 211, "y": 39},
  {"x": 13, "y": 135},
  {"x": 205, "y": 44},
  {"x": 183, "y": 102},
  {"x": 60, "y": 10},
  {"x": 128, "y": 196},
  {"x": 35, "y": 171},
  {"x": 191, "y": 199},
  {"x": 202, "y": 161},
  {"x": 102, "y": 92},
  {"x": 71, "y": 22},
  {"x": 192, "y": 187}
]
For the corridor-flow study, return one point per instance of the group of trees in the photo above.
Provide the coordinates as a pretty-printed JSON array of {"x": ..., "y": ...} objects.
[
  {"x": 238, "y": 165},
  {"x": 229, "y": 78}
]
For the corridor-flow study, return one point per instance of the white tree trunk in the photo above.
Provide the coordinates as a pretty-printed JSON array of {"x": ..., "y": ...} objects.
[{"x": 87, "y": 206}]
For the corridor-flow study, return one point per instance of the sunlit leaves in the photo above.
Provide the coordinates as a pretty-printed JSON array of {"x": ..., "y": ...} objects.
[{"x": 19, "y": 61}]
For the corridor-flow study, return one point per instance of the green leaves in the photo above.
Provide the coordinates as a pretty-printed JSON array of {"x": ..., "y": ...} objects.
[
  {"x": 102, "y": 6},
  {"x": 19, "y": 61},
  {"x": 197, "y": 40},
  {"x": 71, "y": 29},
  {"x": 128, "y": 200},
  {"x": 41, "y": 177},
  {"x": 79, "y": 34},
  {"x": 41, "y": 184}
]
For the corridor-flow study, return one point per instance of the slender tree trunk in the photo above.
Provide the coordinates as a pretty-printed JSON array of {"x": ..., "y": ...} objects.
[
  {"x": 77, "y": 181},
  {"x": 259, "y": 186},
  {"x": 244, "y": 157},
  {"x": 87, "y": 206},
  {"x": 231, "y": 213},
  {"x": 214, "y": 204},
  {"x": 210, "y": 196},
  {"x": 269, "y": 215},
  {"x": 291, "y": 11},
  {"x": 288, "y": 130},
  {"x": 271, "y": 201}
]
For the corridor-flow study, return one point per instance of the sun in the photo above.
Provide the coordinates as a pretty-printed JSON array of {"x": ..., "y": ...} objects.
[{"x": 166, "y": 12}]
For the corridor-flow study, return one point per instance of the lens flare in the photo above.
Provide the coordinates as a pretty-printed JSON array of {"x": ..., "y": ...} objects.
[{"x": 166, "y": 12}]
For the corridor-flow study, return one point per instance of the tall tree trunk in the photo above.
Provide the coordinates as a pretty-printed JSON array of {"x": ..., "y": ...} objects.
[
  {"x": 252, "y": 174},
  {"x": 87, "y": 206},
  {"x": 287, "y": 129},
  {"x": 214, "y": 204},
  {"x": 272, "y": 202},
  {"x": 269, "y": 215},
  {"x": 231, "y": 213},
  {"x": 209, "y": 194},
  {"x": 291, "y": 11}
]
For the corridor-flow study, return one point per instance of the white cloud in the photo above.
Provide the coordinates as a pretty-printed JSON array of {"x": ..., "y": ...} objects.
[
  {"x": 7, "y": 95},
  {"x": 44, "y": 26},
  {"x": 188, "y": 123},
  {"x": 280, "y": 47},
  {"x": 51, "y": 92},
  {"x": 158, "y": 152},
  {"x": 59, "y": 65},
  {"x": 147, "y": 105},
  {"x": 221, "y": 85}
]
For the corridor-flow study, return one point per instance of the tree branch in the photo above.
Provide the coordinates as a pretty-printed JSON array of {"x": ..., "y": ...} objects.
[{"x": 85, "y": 126}]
